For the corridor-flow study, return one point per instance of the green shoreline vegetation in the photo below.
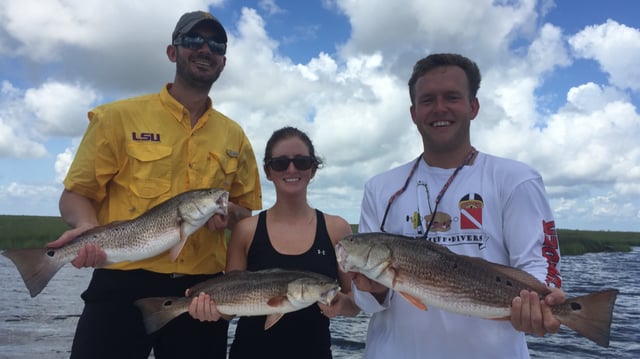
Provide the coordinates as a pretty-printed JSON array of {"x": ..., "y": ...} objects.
[{"x": 36, "y": 231}]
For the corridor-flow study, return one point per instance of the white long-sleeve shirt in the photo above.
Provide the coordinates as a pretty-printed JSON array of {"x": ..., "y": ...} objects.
[{"x": 496, "y": 209}]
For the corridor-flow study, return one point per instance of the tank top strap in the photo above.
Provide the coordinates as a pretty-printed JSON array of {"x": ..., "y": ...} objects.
[
  {"x": 322, "y": 239},
  {"x": 261, "y": 226}
]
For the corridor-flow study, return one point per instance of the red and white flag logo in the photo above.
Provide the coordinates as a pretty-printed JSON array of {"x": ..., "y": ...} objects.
[{"x": 471, "y": 211}]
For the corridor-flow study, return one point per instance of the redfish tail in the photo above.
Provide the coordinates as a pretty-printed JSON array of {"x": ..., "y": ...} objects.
[
  {"x": 36, "y": 266},
  {"x": 158, "y": 311},
  {"x": 590, "y": 315}
]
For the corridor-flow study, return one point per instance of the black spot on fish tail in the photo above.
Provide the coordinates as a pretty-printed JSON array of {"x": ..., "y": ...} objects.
[
  {"x": 51, "y": 253},
  {"x": 167, "y": 303},
  {"x": 575, "y": 306}
]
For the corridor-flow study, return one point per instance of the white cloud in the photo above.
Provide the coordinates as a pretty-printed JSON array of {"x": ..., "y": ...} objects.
[
  {"x": 15, "y": 122},
  {"x": 37, "y": 200},
  {"x": 13, "y": 145},
  {"x": 270, "y": 7},
  {"x": 616, "y": 47},
  {"x": 62, "y": 163},
  {"x": 60, "y": 108}
]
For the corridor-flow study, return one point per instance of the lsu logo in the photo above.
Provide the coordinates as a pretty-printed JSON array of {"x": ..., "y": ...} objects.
[{"x": 145, "y": 136}]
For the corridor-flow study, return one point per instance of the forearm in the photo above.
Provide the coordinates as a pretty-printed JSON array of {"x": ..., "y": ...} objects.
[
  {"x": 77, "y": 210},
  {"x": 236, "y": 213}
]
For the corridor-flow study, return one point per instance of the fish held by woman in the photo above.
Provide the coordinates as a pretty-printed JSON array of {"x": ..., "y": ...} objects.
[
  {"x": 270, "y": 292},
  {"x": 163, "y": 227},
  {"x": 428, "y": 274}
]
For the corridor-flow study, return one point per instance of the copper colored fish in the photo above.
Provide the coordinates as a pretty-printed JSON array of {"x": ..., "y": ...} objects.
[{"x": 428, "y": 274}]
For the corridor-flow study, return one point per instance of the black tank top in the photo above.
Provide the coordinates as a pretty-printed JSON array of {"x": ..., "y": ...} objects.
[{"x": 301, "y": 334}]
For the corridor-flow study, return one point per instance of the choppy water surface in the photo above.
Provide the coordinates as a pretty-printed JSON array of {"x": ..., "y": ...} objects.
[{"x": 43, "y": 326}]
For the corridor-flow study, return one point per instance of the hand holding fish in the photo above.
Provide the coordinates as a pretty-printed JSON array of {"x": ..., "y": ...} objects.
[
  {"x": 203, "y": 308},
  {"x": 78, "y": 212},
  {"x": 532, "y": 315},
  {"x": 90, "y": 255},
  {"x": 365, "y": 284},
  {"x": 218, "y": 222},
  {"x": 223, "y": 221},
  {"x": 336, "y": 306}
]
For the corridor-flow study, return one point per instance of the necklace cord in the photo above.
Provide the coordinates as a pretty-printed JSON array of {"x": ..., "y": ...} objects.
[
  {"x": 393, "y": 197},
  {"x": 466, "y": 161}
]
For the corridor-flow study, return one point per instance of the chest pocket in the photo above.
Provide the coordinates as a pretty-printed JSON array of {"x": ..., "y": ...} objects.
[
  {"x": 222, "y": 169},
  {"x": 150, "y": 169}
]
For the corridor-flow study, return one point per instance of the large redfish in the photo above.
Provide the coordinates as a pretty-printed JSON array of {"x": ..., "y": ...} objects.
[
  {"x": 270, "y": 292},
  {"x": 163, "y": 227},
  {"x": 428, "y": 274}
]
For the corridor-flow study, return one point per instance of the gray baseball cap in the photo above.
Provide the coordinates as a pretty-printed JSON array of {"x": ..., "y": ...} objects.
[{"x": 189, "y": 20}]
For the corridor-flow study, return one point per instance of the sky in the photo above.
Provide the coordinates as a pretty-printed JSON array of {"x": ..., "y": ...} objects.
[{"x": 560, "y": 88}]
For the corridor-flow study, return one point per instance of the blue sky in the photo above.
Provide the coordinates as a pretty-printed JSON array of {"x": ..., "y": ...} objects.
[{"x": 560, "y": 90}]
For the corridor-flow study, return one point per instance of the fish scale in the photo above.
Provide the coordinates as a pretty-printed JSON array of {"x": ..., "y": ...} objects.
[
  {"x": 163, "y": 227},
  {"x": 488, "y": 301},
  {"x": 428, "y": 274},
  {"x": 480, "y": 292}
]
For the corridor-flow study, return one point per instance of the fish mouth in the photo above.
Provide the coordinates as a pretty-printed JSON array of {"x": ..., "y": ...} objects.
[
  {"x": 223, "y": 203},
  {"x": 341, "y": 256},
  {"x": 327, "y": 298}
]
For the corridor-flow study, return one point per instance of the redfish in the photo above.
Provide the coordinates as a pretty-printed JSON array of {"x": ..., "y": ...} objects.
[
  {"x": 428, "y": 274},
  {"x": 163, "y": 227},
  {"x": 270, "y": 292}
]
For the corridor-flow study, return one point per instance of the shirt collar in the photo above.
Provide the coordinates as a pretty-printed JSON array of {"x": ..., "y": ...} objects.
[{"x": 175, "y": 107}]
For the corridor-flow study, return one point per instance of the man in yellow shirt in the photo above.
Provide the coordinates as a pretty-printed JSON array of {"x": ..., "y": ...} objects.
[{"x": 135, "y": 154}]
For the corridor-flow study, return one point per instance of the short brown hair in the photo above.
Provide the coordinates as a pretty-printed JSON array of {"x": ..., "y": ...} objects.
[{"x": 432, "y": 61}]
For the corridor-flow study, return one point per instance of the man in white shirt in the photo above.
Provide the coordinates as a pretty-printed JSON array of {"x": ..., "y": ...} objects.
[{"x": 475, "y": 204}]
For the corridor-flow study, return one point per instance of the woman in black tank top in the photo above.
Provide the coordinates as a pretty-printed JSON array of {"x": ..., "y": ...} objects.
[{"x": 290, "y": 235}]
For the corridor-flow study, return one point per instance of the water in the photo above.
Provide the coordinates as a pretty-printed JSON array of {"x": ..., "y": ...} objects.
[{"x": 44, "y": 326}]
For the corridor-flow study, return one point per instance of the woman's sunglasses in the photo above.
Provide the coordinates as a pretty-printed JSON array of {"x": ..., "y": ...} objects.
[{"x": 302, "y": 163}]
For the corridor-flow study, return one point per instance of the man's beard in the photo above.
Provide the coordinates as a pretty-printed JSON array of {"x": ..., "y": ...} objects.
[{"x": 194, "y": 79}]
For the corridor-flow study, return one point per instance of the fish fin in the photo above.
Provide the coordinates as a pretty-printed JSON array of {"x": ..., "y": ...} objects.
[
  {"x": 276, "y": 301},
  {"x": 271, "y": 320},
  {"x": 36, "y": 266},
  {"x": 413, "y": 300},
  {"x": 590, "y": 315},
  {"x": 175, "y": 251},
  {"x": 158, "y": 311}
]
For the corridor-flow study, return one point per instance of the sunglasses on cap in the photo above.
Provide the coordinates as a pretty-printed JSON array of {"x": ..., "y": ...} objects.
[
  {"x": 195, "y": 42},
  {"x": 301, "y": 163}
]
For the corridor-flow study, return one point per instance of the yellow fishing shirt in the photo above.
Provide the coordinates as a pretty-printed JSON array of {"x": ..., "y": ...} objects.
[{"x": 139, "y": 152}]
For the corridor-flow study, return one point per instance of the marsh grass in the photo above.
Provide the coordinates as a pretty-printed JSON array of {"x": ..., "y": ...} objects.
[
  {"x": 36, "y": 231},
  {"x": 29, "y": 231}
]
